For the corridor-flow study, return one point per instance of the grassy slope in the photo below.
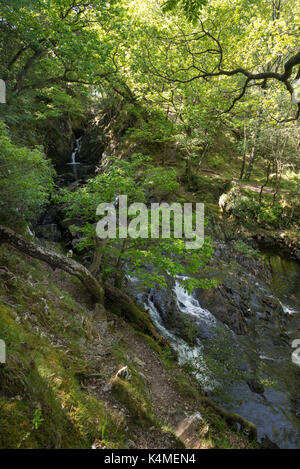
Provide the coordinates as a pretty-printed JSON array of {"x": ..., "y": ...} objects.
[{"x": 59, "y": 360}]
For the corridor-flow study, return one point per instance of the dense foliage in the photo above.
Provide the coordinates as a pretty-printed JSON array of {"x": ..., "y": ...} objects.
[
  {"x": 26, "y": 181},
  {"x": 148, "y": 259},
  {"x": 198, "y": 85}
]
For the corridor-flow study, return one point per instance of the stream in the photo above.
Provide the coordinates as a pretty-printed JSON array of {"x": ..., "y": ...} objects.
[
  {"x": 276, "y": 413},
  {"x": 256, "y": 305},
  {"x": 273, "y": 322}
]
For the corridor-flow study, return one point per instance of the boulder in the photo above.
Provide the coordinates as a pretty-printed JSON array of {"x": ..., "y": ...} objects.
[{"x": 225, "y": 305}]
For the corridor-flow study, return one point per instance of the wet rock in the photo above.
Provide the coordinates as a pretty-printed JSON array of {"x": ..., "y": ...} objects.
[
  {"x": 266, "y": 443},
  {"x": 296, "y": 404},
  {"x": 93, "y": 144},
  {"x": 174, "y": 319},
  {"x": 59, "y": 139},
  {"x": 218, "y": 302},
  {"x": 65, "y": 179},
  {"x": 51, "y": 232},
  {"x": 271, "y": 306},
  {"x": 48, "y": 226},
  {"x": 49, "y": 216},
  {"x": 255, "y": 386}
]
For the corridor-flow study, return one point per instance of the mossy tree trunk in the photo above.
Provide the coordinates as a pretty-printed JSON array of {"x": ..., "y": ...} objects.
[
  {"x": 54, "y": 259},
  {"x": 119, "y": 301}
]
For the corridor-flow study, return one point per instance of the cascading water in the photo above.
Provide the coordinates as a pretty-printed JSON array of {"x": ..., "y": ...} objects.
[
  {"x": 273, "y": 413},
  {"x": 189, "y": 305},
  {"x": 193, "y": 355},
  {"x": 74, "y": 156}
]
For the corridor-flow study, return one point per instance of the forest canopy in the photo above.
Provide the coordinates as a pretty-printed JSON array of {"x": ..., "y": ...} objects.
[{"x": 182, "y": 70}]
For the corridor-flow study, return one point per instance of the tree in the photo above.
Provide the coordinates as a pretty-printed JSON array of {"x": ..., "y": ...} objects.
[
  {"x": 227, "y": 42},
  {"x": 52, "y": 54},
  {"x": 26, "y": 181},
  {"x": 148, "y": 259},
  {"x": 109, "y": 293}
]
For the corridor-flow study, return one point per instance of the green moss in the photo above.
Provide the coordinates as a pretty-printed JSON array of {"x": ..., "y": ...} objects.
[
  {"x": 138, "y": 318},
  {"x": 155, "y": 346},
  {"x": 46, "y": 377},
  {"x": 133, "y": 393},
  {"x": 139, "y": 407},
  {"x": 44, "y": 358},
  {"x": 167, "y": 357},
  {"x": 185, "y": 387}
]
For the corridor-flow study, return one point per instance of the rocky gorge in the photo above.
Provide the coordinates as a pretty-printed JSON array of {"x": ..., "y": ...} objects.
[{"x": 251, "y": 318}]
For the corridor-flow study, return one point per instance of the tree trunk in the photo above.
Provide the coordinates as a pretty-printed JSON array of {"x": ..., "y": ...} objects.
[
  {"x": 94, "y": 268},
  {"x": 245, "y": 153},
  {"x": 118, "y": 301},
  {"x": 264, "y": 184},
  {"x": 54, "y": 259},
  {"x": 255, "y": 144}
]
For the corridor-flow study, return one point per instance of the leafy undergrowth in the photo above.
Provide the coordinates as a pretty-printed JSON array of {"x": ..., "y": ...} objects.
[{"x": 59, "y": 360}]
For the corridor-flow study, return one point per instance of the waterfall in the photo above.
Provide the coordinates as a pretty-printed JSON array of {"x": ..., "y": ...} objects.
[
  {"x": 276, "y": 413},
  {"x": 186, "y": 353},
  {"x": 189, "y": 305},
  {"x": 74, "y": 155}
]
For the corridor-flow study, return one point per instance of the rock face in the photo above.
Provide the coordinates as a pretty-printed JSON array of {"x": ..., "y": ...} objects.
[
  {"x": 255, "y": 386},
  {"x": 59, "y": 140},
  {"x": 290, "y": 247},
  {"x": 60, "y": 136},
  {"x": 226, "y": 305},
  {"x": 243, "y": 293},
  {"x": 50, "y": 231},
  {"x": 93, "y": 144},
  {"x": 188, "y": 431},
  {"x": 48, "y": 225}
]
